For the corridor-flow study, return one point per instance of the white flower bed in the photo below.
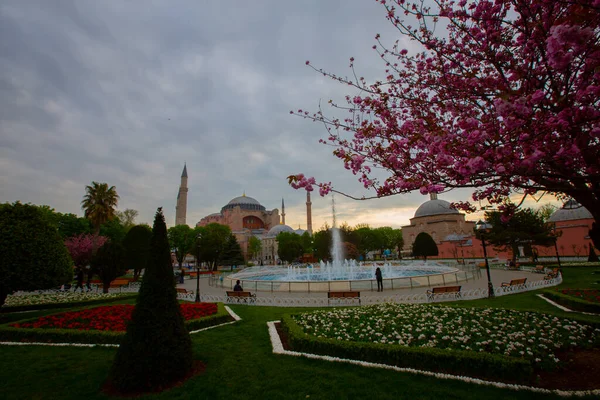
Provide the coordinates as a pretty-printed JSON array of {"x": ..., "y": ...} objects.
[
  {"x": 532, "y": 336},
  {"x": 58, "y": 297}
]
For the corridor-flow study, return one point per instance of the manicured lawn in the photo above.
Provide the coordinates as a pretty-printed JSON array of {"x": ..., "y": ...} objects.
[{"x": 240, "y": 365}]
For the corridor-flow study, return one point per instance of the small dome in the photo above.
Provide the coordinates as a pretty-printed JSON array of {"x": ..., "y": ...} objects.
[
  {"x": 570, "y": 211},
  {"x": 299, "y": 232},
  {"x": 245, "y": 203},
  {"x": 277, "y": 229},
  {"x": 434, "y": 207}
]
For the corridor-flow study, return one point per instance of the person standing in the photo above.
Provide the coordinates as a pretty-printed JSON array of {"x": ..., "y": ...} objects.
[{"x": 379, "y": 278}]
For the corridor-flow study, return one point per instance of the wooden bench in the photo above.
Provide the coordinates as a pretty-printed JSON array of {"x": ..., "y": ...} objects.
[
  {"x": 553, "y": 274},
  {"x": 343, "y": 295},
  {"x": 514, "y": 282},
  {"x": 117, "y": 283},
  {"x": 183, "y": 290},
  {"x": 539, "y": 269},
  {"x": 240, "y": 297},
  {"x": 442, "y": 290}
]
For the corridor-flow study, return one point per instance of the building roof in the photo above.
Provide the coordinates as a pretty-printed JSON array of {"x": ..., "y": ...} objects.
[
  {"x": 435, "y": 207},
  {"x": 277, "y": 229},
  {"x": 570, "y": 211},
  {"x": 245, "y": 203}
]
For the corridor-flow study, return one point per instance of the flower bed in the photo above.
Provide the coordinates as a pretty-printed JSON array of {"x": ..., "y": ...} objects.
[
  {"x": 107, "y": 318},
  {"x": 58, "y": 298},
  {"x": 591, "y": 295},
  {"x": 536, "y": 338}
]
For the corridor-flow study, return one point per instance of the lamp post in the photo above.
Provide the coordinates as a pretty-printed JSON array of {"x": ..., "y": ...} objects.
[
  {"x": 483, "y": 228},
  {"x": 197, "y": 300}
]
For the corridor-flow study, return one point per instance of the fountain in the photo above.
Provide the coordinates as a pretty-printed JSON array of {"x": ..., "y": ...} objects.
[{"x": 342, "y": 274}]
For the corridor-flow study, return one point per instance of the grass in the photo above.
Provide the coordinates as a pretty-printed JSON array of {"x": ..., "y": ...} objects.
[{"x": 240, "y": 364}]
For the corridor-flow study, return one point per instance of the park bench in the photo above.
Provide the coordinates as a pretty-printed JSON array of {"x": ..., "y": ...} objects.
[
  {"x": 443, "y": 290},
  {"x": 343, "y": 295},
  {"x": 553, "y": 274},
  {"x": 117, "y": 283},
  {"x": 539, "y": 269},
  {"x": 513, "y": 282},
  {"x": 183, "y": 290},
  {"x": 240, "y": 297}
]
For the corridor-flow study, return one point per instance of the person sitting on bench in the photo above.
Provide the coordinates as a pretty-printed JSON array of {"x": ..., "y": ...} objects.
[{"x": 238, "y": 287}]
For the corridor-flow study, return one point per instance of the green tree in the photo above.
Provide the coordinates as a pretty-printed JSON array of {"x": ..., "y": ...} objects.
[
  {"x": 181, "y": 241},
  {"x": 99, "y": 204},
  {"x": 32, "y": 253},
  {"x": 368, "y": 240},
  {"x": 424, "y": 246},
  {"x": 254, "y": 247},
  {"x": 592, "y": 257},
  {"x": 109, "y": 263},
  {"x": 156, "y": 350},
  {"x": 127, "y": 218},
  {"x": 212, "y": 243},
  {"x": 137, "y": 248},
  {"x": 322, "y": 243},
  {"x": 307, "y": 243},
  {"x": 525, "y": 228},
  {"x": 70, "y": 225},
  {"x": 232, "y": 254},
  {"x": 289, "y": 246},
  {"x": 114, "y": 230}
]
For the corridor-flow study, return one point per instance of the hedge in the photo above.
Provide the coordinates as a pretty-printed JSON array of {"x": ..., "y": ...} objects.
[
  {"x": 572, "y": 302},
  {"x": 8, "y": 333},
  {"x": 456, "y": 362},
  {"x": 49, "y": 306}
]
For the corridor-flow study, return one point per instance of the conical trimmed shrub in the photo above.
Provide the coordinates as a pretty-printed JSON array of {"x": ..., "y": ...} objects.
[{"x": 156, "y": 350}]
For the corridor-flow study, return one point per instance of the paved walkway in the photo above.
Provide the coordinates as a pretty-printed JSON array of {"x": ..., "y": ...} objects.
[{"x": 498, "y": 276}]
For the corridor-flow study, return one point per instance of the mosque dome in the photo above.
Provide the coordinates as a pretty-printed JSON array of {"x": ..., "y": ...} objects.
[
  {"x": 245, "y": 203},
  {"x": 435, "y": 207},
  {"x": 277, "y": 229},
  {"x": 299, "y": 232},
  {"x": 570, "y": 211}
]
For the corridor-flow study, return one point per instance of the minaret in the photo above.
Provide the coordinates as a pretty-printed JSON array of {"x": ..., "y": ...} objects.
[
  {"x": 181, "y": 208},
  {"x": 282, "y": 212},
  {"x": 432, "y": 196},
  {"x": 308, "y": 214}
]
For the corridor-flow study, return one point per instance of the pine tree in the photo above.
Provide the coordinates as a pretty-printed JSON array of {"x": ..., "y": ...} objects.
[
  {"x": 156, "y": 350},
  {"x": 232, "y": 255}
]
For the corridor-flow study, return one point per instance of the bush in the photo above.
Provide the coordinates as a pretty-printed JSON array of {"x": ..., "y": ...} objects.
[
  {"x": 32, "y": 253},
  {"x": 156, "y": 350},
  {"x": 454, "y": 362},
  {"x": 49, "y": 306},
  {"x": 572, "y": 302},
  {"x": 109, "y": 263}
]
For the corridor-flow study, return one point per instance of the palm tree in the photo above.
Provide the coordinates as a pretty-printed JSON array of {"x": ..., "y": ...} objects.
[{"x": 99, "y": 204}]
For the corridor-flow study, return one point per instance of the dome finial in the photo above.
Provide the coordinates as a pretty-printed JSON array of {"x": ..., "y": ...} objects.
[{"x": 433, "y": 196}]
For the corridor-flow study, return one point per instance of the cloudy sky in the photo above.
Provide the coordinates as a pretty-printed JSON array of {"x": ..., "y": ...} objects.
[{"x": 126, "y": 91}]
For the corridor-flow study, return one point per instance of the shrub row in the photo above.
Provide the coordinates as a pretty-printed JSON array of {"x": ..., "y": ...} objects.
[
  {"x": 469, "y": 363},
  {"x": 572, "y": 302},
  {"x": 8, "y": 333},
  {"x": 49, "y": 306}
]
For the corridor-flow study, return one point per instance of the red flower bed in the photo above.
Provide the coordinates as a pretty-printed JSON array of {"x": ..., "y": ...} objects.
[
  {"x": 108, "y": 318},
  {"x": 591, "y": 295}
]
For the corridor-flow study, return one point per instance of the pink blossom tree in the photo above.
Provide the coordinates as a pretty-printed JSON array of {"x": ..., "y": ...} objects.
[
  {"x": 505, "y": 100},
  {"x": 80, "y": 247}
]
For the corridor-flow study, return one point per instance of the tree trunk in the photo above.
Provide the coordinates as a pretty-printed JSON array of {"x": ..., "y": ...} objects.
[
  {"x": 595, "y": 234},
  {"x": 3, "y": 295}
]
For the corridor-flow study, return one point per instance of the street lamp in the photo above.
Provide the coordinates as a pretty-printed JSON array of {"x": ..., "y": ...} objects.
[
  {"x": 197, "y": 300},
  {"x": 483, "y": 228}
]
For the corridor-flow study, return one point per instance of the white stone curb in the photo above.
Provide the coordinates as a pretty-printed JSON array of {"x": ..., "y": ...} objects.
[
  {"x": 278, "y": 349},
  {"x": 233, "y": 315}
]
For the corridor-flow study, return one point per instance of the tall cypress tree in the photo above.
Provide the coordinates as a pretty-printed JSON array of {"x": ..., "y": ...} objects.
[{"x": 156, "y": 350}]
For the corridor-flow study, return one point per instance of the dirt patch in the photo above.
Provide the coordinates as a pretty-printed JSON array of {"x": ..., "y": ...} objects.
[
  {"x": 198, "y": 368},
  {"x": 580, "y": 369}
]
